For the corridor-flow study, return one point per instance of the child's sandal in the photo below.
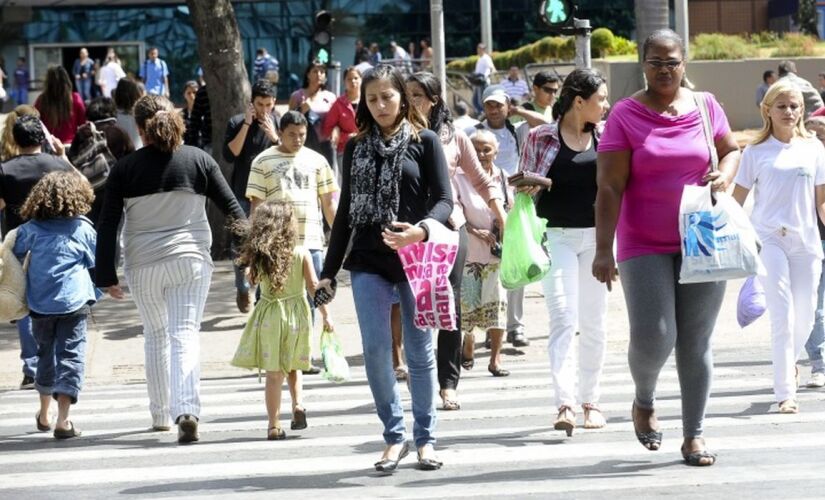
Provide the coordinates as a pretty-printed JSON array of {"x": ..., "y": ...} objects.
[{"x": 275, "y": 434}]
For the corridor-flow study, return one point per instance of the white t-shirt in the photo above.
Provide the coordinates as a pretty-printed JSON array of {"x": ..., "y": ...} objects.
[
  {"x": 485, "y": 66},
  {"x": 508, "y": 151},
  {"x": 782, "y": 177},
  {"x": 110, "y": 74}
]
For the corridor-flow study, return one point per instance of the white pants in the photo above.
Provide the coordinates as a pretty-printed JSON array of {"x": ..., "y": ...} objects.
[
  {"x": 790, "y": 294},
  {"x": 576, "y": 301},
  {"x": 170, "y": 297}
]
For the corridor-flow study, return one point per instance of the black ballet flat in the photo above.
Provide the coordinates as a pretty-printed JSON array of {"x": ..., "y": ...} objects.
[
  {"x": 388, "y": 465},
  {"x": 428, "y": 463}
]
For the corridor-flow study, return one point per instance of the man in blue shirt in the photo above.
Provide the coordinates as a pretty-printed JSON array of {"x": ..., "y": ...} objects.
[
  {"x": 265, "y": 66},
  {"x": 84, "y": 71},
  {"x": 155, "y": 74},
  {"x": 20, "y": 89}
]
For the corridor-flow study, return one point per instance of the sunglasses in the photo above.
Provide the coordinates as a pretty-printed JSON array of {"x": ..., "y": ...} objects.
[
  {"x": 550, "y": 90},
  {"x": 671, "y": 64}
]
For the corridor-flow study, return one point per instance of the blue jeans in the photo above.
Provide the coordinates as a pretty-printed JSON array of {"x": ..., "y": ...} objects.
[
  {"x": 20, "y": 95},
  {"x": 816, "y": 342},
  {"x": 84, "y": 88},
  {"x": 373, "y": 297},
  {"x": 478, "y": 92},
  {"x": 241, "y": 283},
  {"x": 62, "y": 350},
  {"x": 28, "y": 346}
]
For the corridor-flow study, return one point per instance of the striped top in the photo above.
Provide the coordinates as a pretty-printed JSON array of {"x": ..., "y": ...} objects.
[{"x": 301, "y": 179}]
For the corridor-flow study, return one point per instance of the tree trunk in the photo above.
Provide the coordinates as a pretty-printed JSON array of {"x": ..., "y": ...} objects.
[
  {"x": 221, "y": 57},
  {"x": 651, "y": 15}
]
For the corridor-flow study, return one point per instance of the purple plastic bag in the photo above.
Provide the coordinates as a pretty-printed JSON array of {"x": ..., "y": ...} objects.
[{"x": 751, "y": 303}]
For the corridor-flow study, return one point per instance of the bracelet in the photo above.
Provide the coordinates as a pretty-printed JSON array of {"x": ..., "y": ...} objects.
[{"x": 248, "y": 124}]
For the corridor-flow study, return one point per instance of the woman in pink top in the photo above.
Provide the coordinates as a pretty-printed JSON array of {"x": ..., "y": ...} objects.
[
  {"x": 339, "y": 123},
  {"x": 424, "y": 91},
  {"x": 653, "y": 145},
  {"x": 314, "y": 101},
  {"x": 61, "y": 109}
]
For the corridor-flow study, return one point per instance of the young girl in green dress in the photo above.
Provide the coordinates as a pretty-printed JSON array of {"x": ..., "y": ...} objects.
[{"x": 276, "y": 337}]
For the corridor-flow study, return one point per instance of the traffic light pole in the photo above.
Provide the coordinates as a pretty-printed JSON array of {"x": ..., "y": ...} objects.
[
  {"x": 582, "y": 30},
  {"x": 437, "y": 34}
]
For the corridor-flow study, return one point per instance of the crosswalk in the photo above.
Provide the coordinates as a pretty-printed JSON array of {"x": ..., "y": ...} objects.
[{"x": 500, "y": 444}]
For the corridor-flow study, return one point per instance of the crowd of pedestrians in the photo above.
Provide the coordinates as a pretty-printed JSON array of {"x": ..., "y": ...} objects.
[{"x": 385, "y": 165}]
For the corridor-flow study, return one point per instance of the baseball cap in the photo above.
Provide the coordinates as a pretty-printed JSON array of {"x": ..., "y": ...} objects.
[{"x": 495, "y": 93}]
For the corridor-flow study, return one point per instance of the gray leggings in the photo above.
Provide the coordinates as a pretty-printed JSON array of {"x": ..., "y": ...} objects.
[{"x": 664, "y": 314}]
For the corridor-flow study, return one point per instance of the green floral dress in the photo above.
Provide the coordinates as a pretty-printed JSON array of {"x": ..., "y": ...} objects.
[{"x": 276, "y": 336}]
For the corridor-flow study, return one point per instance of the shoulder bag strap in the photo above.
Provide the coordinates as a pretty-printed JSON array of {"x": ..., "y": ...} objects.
[
  {"x": 501, "y": 177},
  {"x": 701, "y": 99}
]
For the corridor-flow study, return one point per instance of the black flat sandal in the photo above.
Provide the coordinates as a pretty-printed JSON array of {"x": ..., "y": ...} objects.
[
  {"x": 698, "y": 458},
  {"x": 652, "y": 440},
  {"x": 498, "y": 372},
  {"x": 428, "y": 463},
  {"x": 389, "y": 465}
]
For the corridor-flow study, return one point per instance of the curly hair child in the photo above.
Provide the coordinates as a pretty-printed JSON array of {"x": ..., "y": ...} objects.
[
  {"x": 59, "y": 288},
  {"x": 276, "y": 337}
]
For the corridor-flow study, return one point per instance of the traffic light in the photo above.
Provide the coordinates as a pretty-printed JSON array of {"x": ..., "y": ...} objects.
[
  {"x": 557, "y": 13},
  {"x": 322, "y": 37}
]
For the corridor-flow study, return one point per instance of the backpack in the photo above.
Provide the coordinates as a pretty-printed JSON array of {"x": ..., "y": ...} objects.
[{"x": 93, "y": 158}]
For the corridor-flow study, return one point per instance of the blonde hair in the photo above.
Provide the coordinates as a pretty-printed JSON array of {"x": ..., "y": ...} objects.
[
  {"x": 776, "y": 90},
  {"x": 10, "y": 148},
  {"x": 269, "y": 239}
]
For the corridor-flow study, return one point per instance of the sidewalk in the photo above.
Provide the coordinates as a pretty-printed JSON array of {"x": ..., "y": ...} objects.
[{"x": 115, "y": 344}]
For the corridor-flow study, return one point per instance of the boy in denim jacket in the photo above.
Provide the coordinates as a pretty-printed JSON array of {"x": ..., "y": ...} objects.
[{"x": 59, "y": 288}]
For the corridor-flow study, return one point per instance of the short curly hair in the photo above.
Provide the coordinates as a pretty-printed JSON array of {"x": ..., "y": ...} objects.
[{"x": 58, "y": 195}]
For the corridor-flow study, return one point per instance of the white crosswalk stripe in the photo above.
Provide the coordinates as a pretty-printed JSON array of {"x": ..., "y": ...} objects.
[{"x": 502, "y": 438}]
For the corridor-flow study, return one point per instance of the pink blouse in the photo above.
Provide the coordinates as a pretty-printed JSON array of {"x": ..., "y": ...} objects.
[
  {"x": 667, "y": 153},
  {"x": 477, "y": 213},
  {"x": 461, "y": 156}
]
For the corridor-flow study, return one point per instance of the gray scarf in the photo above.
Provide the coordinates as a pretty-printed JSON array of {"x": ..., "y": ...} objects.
[{"x": 375, "y": 181}]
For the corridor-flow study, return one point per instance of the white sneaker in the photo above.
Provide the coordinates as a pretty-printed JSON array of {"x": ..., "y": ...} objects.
[{"x": 817, "y": 380}]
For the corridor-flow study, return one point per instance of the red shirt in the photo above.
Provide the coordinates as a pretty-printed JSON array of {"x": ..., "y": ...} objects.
[
  {"x": 341, "y": 115},
  {"x": 818, "y": 112},
  {"x": 65, "y": 131}
]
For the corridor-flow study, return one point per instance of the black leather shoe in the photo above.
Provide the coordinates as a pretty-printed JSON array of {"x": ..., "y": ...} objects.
[
  {"x": 428, "y": 463},
  {"x": 313, "y": 370},
  {"x": 388, "y": 465},
  {"x": 517, "y": 339}
]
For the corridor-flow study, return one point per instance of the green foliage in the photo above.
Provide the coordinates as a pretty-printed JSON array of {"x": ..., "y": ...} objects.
[
  {"x": 806, "y": 17},
  {"x": 764, "y": 38},
  {"x": 622, "y": 47},
  {"x": 547, "y": 49},
  {"x": 601, "y": 41},
  {"x": 716, "y": 46},
  {"x": 795, "y": 45}
]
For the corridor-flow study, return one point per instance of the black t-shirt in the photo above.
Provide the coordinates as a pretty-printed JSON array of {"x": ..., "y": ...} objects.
[
  {"x": 17, "y": 178},
  {"x": 256, "y": 142},
  {"x": 569, "y": 203},
  {"x": 425, "y": 192}
]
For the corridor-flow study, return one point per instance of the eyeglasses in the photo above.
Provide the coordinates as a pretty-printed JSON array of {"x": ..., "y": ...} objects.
[
  {"x": 671, "y": 64},
  {"x": 550, "y": 90}
]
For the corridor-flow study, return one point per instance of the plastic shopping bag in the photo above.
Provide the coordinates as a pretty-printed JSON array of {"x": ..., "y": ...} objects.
[
  {"x": 336, "y": 368},
  {"x": 524, "y": 257},
  {"x": 751, "y": 303},
  {"x": 427, "y": 265},
  {"x": 718, "y": 241}
]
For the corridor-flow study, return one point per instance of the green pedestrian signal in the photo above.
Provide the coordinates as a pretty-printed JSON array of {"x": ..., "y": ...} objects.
[
  {"x": 557, "y": 13},
  {"x": 322, "y": 56}
]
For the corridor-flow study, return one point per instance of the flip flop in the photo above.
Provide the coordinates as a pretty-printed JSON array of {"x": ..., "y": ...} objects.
[
  {"x": 299, "y": 419},
  {"x": 41, "y": 427},
  {"x": 275, "y": 434},
  {"x": 71, "y": 432}
]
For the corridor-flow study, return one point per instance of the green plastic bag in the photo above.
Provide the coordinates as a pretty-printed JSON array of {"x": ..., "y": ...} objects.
[
  {"x": 524, "y": 257},
  {"x": 336, "y": 368}
]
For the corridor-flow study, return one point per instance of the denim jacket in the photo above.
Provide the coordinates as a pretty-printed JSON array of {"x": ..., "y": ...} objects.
[{"x": 62, "y": 252}]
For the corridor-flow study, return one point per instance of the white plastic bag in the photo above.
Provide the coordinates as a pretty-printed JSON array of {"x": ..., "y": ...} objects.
[{"x": 718, "y": 241}]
